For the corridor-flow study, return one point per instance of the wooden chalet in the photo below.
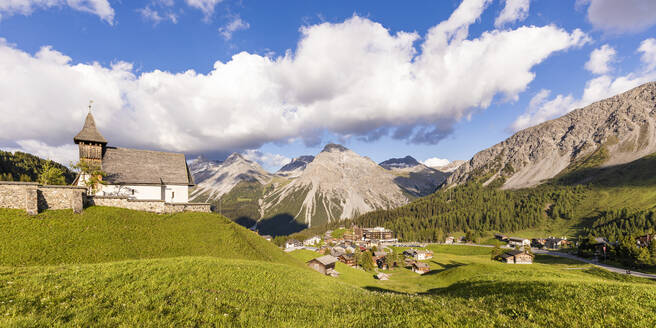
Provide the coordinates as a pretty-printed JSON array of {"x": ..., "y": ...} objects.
[
  {"x": 420, "y": 267},
  {"x": 517, "y": 257},
  {"x": 324, "y": 264},
  {"x": 348, "y": 259}
]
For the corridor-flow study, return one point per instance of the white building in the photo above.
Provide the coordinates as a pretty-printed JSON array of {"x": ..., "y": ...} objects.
[
  {"x": 133, "y": 173},
  {"x": 312, "y": 241},
  {"x": 514, "y": 241}
]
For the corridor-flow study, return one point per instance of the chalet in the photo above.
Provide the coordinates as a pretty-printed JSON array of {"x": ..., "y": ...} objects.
[
  {"x": 348, "y": 259},
  {"x": 538, "y": 242},
  {"x": 517, "y": 257},
  {"x": 515, "y": 241},
  {"x": 424, "y": 255},
  {"x": 132, "y": 173},
  {"x": 312, "y": 241},
  {"x": 382, "y": 276},
  {"x": 420, "y": 267},
  {"x": 449, "y": 240},
  {"x": 379, "y": 259},
  {"x": 553, "y": 242},
  {"x": 267, "y": 237},
  {"x": 501, "y": 237},
  {"x": 324, "y": 264},
  {"x": 410, "y": 253},
  {"x": 292, "y": 244},
  {"x": 349, "y": 249},
  {"x": 337, "y": 251}
]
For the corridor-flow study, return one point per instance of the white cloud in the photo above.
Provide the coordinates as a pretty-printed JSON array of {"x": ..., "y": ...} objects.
[
  {"x": 64, "y": 154},
  {"x": 514, "y": 11},
  {"x": 154, "y": 15},
  {"x": 237, "y": 24},
  {"x": 621, "y": 16},
  {"x": 269, "y": 161},
  {"x": 101, "y": 8},
  {"x": 206, "y": 6},
  {"x": 376, "y": 84},
  {"x": 600, "y": 59},
  {"x": 435, "y": 162},
  {"x": 601, "y": 87}
]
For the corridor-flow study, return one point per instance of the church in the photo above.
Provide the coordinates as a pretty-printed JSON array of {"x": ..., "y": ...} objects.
[{"x": 133, "y": 173}]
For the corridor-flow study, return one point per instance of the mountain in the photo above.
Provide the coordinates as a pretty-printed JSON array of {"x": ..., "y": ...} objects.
[
  {"x": 294, "y": 168},
  {"x": 337, "y": 184},
  {"x": 610, "y": 132},
  {"x": 452, "y": 166},
  {"x": 214, "y": 179},
  {"x": 413, "y": 176}
]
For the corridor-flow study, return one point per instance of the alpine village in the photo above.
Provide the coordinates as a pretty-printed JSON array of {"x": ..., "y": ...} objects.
[{"x": 297, "y": 185}]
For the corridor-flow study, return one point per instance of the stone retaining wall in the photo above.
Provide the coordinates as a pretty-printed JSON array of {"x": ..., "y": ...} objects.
[
  {"x": 33, "y": 198},
  {"x": 157, "y": 206}
]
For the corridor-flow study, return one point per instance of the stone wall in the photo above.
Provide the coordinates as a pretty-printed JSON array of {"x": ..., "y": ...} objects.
[
  {"x": 33, "y": 198},
  {"x": 156, "y": 206}
]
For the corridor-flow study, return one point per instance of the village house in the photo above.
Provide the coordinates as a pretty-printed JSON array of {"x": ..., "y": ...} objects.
[
  {"x": 380, "y": 260},
  {"x": 314, "y": 240},
  {"x": 348, "y": 259},
  {"x": 424, "y": 255},
  {"x": 133, "y": 173},
  {"x": 420, "y": 267},
  {"x": 517, "y": 257},
  {"x": 449, "y": 240},
  {"x": 553, "y": 242},
  {"x": 267, "y": 237},
  {"x": 337, "y": 251},
  {"x": 501, "y": 237},
  {"x": 538, "y": 242},
  {"x": 324, "y": 265},
  {"x": 293, "y": 244},
  {"x": 376, "y": 233},
  {"x": 521, "y": 242}
]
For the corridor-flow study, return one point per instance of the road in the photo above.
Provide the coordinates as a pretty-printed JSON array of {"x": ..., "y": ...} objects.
[{"x": 574, "y": 257}]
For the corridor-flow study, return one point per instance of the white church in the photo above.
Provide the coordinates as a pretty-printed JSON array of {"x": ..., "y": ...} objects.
[{"x": 133, "y": 173}]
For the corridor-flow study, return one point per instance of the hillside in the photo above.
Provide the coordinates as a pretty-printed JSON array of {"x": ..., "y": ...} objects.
[
  {"x": 103, "y": 234},
  {"x": 414, "y": 177},
  {"x": 19, "y": 166},
  {"x": 466, "y": 289},
  {"x": 614, "y": 131}
]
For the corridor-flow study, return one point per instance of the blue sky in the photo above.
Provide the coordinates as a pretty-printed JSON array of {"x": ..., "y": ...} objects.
[{"x": 347, "y": 84}]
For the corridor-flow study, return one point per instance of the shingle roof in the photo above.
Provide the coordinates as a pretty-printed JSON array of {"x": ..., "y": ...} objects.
[
  {"x": 89, "y": 132},
  {"x": 326, "y": 259},
  {"x": 421, "y": 265},
  {"x": 134, "y": 166}
]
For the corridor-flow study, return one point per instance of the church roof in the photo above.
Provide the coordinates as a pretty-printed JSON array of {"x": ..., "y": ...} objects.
[
  {"x": 135, "y": 166},
  {"x": 89, "y": 132}
]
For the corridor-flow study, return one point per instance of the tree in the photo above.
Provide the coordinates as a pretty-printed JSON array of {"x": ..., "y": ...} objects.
[
  {"x": 92, "y": 175},
  {"x": 51, "y": 175},
  {"x": 366, "y": 261},
  {"x": 496, "y": 252}
]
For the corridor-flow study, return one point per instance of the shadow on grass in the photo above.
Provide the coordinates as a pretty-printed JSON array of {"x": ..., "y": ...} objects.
[
  {"x": 382, "y": 290},
  {"x": 445, "y": 267},
  {"x": 551, "y": 259}
]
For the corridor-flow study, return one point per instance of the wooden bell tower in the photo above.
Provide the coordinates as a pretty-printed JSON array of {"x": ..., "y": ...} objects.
[{"x": 91, "y": 142}]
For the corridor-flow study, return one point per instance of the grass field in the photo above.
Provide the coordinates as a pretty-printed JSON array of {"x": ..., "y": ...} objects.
[{"x": 112, "y": 267}]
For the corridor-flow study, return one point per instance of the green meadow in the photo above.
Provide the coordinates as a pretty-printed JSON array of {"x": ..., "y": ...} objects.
[{"x": 121, "y": 268}]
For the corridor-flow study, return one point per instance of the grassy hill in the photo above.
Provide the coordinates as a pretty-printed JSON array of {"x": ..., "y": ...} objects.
[
  {"x": 103, "y": 234},
  {"x": 465, "y": 289}
]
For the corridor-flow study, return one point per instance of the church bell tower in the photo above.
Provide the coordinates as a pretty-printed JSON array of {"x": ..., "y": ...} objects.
[{"x": 91, "y": 142}]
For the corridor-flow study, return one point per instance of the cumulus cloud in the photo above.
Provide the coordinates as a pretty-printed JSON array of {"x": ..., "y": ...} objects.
[
  {"x": 377, "y": 81},
  {"x": 600, "y": 59},
  {"x": 514, "y": 11},
  {"x": 621, "y": 16},
  {"x": 542, "y": 109},
  {"x": 101, "y": 8},
  {"x": 236, "y": 24},
  {"x": 269, "y": 161},
  {"x": 436, "y": 162}
]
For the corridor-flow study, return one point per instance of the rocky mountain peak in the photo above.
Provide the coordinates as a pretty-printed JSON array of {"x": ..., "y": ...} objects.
[
  {"x": 404, "y": 162},
  {"x": 333, "y": 147}
]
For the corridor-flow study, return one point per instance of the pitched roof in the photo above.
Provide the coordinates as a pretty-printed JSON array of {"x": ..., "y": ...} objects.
[
  {"x": 134, "y": 166},
  {"x": 89, "y": 132},
  {"x": 325, "y": 260},
  {"x": 421, "y": 265}
]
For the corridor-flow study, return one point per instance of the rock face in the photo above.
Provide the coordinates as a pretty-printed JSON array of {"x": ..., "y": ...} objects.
[
  {"x": 215, "y": 179},
  {"x": 613, "y": 131},
  {"x": 414, "y": 177},
  {"x": 337, "y": 184},
  {"x": 295, "y": 167}
]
